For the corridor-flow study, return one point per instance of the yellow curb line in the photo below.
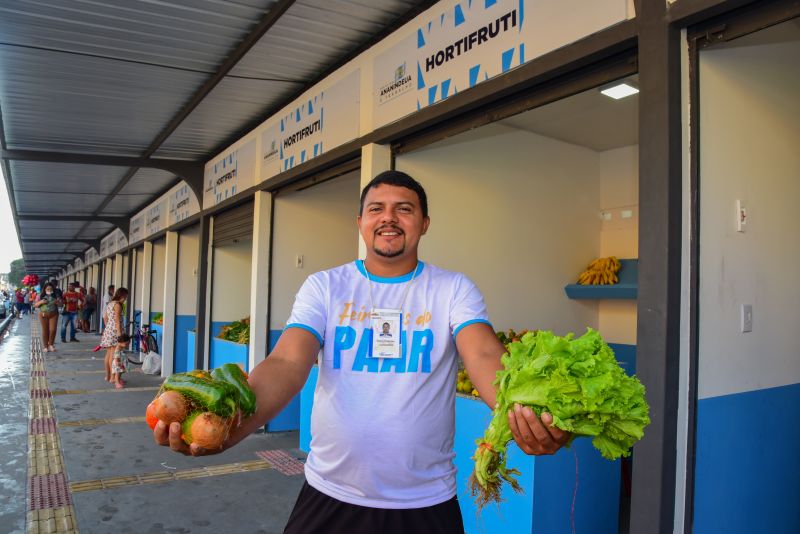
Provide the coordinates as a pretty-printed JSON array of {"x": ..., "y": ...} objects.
[
  {"x": 168, "y": 476},
  {"x": 109, "y": 390},
  {"x": 98, "y": 422}
]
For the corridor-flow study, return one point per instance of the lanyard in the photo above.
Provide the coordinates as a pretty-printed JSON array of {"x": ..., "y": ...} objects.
[{"x": 405, "y": 292}]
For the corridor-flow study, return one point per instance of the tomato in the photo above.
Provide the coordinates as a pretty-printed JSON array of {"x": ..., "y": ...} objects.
[{"x": 150, "y": 415}]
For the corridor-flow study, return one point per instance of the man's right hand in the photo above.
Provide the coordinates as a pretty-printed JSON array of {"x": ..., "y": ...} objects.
[{"x": 172, "y": 438}]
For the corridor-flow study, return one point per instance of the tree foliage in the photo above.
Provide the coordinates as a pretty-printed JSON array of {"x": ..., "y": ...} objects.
[{"x": 16, "y": 273}]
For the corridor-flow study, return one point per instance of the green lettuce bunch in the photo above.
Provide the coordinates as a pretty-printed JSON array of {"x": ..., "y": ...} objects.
[{"x": 579, "y": 382}]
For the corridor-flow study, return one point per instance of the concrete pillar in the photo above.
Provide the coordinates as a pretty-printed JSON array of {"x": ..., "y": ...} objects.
[
  {"x": 147, "y": 273},
  {"x": 209, "y": 281},
  {"x": 108, "y": 274},
  {"x": 170, "y": 290},
  {"x": 259, "y": 278},
  {"x": 134, "y": 298},
  {"x": 374, "y": 160},
  {"x": 119, "y": 260}
]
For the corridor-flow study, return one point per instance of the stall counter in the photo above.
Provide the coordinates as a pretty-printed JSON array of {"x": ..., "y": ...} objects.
[{"x": 549, "y": 482}]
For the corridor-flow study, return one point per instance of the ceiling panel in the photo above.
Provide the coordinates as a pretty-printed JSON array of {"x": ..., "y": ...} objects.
[
  {"x": 126, "y": 205},
  {"x": 148, "y": 182},
  {"x": 305, "y": 41},
  {"x": 117, "y": 71},
  {"x": 36, "y": 176}
]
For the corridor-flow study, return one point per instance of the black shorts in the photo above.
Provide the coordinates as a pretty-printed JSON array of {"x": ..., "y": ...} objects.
[{"x": 316, "y": 513}]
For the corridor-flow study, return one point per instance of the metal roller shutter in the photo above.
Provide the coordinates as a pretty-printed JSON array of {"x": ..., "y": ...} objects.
[{"x": 234, "y": 225}]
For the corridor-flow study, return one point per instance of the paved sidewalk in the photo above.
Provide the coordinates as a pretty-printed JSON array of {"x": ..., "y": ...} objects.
[{"x": 94, "y": 466}]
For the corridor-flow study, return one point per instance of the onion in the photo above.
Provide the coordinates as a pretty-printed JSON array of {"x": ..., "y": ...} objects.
[
  {"x": 206, "y": 429},
  {"x": 172, "y": 407}
]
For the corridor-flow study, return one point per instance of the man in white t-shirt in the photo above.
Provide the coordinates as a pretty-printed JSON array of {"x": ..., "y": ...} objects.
[{"x": 383, "y": 421}]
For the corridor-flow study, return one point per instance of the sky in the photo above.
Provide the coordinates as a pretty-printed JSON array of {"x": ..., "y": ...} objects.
[{"x": 9, "y": 243}]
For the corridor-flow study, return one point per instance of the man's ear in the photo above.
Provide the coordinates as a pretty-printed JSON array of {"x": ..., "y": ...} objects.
[{"x": 426, "y": 222}]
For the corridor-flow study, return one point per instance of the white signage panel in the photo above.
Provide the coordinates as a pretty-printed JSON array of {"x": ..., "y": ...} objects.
[
  {"x": 233, "y": 172},
  {"x": 155, "y": 218},
  {"x": 312, "y": 126},
  {"x": 183, "y": 203},
  {"x": 121, "y": 240},
  {"x": 457, "y": 45},
  {"x": 137, "y": 227}
]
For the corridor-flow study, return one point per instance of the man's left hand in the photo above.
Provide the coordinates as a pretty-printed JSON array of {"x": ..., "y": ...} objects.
[{"x": 533, "y": 435}]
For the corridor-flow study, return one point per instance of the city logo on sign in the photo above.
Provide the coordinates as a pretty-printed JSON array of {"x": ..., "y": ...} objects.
[{"x": 402, "y": 83}]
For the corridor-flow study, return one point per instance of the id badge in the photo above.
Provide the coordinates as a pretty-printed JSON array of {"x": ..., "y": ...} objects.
[{"x": 386, "y": 324}]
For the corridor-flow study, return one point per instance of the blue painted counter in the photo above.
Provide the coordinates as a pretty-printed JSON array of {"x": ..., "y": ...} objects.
[
  {"x": 183, "y": 323},
  {"x": 223, "y": 351},
  {"x": 191, "y": 341},
  {"x": 548, "y": 481},
  {"x": 158, "y": 332}
]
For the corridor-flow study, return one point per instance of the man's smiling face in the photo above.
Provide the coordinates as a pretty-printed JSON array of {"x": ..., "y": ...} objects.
[{"x": 391, "y": 222}]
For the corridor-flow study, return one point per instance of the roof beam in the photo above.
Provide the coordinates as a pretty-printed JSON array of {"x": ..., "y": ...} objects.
[
  {"x": 59, "y": 240},
  {"x": 120, "y": 222},
  {"x": 176, "y": 166}
]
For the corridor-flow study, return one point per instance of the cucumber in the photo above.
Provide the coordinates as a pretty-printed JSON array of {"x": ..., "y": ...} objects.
[
  {"x": 233, "y": 375},
  {"x": 212, "y": 395}
]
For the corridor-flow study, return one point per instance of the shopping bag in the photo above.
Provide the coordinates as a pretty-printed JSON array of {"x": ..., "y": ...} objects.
[{"x": 152, "y": 363}]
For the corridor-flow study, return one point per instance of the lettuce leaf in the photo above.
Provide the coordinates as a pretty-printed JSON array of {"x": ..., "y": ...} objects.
[{"x": 579, "y": 382}]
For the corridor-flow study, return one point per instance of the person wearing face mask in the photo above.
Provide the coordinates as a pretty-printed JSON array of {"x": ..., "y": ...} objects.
[{"x": 47, "y": 304}]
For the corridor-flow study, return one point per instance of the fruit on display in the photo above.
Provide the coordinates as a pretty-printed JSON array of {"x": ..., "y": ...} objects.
[
  {"x": 602, "y": 271},
  {"x": 464, "y": 384}
]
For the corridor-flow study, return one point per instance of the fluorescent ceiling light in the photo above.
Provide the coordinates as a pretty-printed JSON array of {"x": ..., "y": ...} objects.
[{"x": 620, "y": 91}]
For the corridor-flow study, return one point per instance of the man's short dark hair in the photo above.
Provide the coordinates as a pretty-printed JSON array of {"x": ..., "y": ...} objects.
[{"x": 399, "y": 179}]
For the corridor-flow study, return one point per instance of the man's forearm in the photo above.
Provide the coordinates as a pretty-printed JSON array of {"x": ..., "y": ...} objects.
[{"x": 275, "y": 382}]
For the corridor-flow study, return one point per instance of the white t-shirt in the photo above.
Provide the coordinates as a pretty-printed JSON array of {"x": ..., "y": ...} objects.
[{"x": 382, "y": 429}]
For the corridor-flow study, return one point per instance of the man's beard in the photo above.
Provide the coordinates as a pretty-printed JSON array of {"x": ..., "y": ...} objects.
[{"x": 388, "y": 253}]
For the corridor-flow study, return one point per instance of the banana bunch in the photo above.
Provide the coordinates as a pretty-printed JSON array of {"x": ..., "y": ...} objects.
[
  {"x": 464, "y": 384},
  {"x": 602, "y": 271}
]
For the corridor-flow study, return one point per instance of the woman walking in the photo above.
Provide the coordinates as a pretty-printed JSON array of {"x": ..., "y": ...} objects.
[
  {"x": 88, "y": 309},
  {"x": 112, "y": 317},
  {"x": 47, "y": 305}
]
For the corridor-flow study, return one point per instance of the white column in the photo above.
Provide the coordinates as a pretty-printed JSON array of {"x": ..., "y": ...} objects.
[
  {"x": 132, "y": 290},
  {"x": 108, "y": 274},
  {"x": 170, "y": 290},
  {"x": 118, "y": 280},
  {"x": 209, "y": 291},
  {"x": 147, "y": 273},
  {"x": 259, "y": 278},
  {"x": 374, "y": 160}
]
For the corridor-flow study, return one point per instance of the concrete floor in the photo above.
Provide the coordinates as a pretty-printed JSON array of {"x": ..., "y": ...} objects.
[{"x": 253, "y": 501}]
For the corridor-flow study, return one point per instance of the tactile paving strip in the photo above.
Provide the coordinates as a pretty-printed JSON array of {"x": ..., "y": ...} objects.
[
  {"x": 98, "y": 422},
  {"x": 48, "y": 491},
  {"x": 85, "y": 391},
  {"x": 49, "y": 499},
  {"x": 283, "y": 462},
  {"x": 168, "y": 476},
  {"x": 46, "y": 425}
]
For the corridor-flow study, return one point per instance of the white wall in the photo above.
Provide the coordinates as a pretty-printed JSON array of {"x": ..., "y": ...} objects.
[
  {"x": 619, "y": 193},
  {"x": 318, "y": 223},
  {"x": 231, "y": 285},
  {"x": 187, "y": 271},
  {"x": 749, "y": 132},
  {"x": 157, "y": 280},
  {"x": 518, "y": 213}
]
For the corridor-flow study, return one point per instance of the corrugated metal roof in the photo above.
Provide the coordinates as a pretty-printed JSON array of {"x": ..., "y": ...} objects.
[{"x": 110, "y": 77}]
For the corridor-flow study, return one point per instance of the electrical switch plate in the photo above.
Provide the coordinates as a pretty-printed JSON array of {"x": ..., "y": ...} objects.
[
  {"x": 298, "y": 261},
  {"x": 741, "y": 216},
  {"x": 626, "y": 214},
  {"x": 747, "y": 318}
]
